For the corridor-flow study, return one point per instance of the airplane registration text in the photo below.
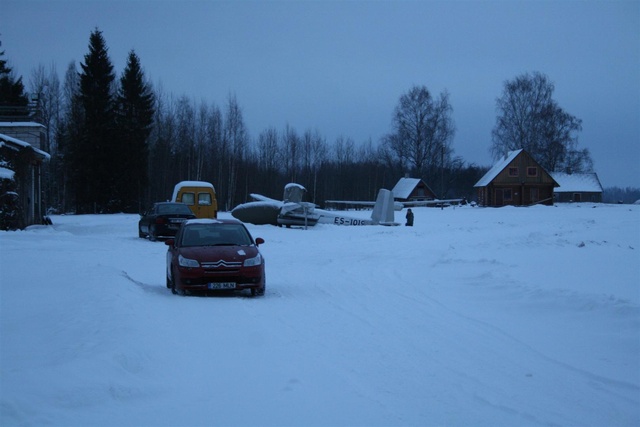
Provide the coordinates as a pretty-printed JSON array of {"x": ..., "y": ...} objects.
[{"x": 350, "y": 221}]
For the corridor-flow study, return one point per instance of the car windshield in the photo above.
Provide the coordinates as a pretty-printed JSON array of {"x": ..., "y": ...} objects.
[
  {"x": 173, "y": 209},
  {"x": 215, "y": 234}
]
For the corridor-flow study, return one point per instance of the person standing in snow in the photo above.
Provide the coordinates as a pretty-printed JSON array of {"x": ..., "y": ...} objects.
[{"x": 409, "y": 218}]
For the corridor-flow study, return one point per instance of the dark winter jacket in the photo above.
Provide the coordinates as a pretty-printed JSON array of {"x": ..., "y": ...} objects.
[{"x": 409, "y": 218}]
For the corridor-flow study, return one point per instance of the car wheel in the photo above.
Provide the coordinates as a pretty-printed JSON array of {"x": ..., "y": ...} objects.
[
  {"x": 152, "y": 233},
  {"x": 171, "y": 283},
  {"x": 258, "y": 292},
  {"x": 140, "y": 233}
]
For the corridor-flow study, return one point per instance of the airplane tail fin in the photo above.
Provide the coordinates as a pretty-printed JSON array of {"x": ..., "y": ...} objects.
[{"x": 383, "y": 210}]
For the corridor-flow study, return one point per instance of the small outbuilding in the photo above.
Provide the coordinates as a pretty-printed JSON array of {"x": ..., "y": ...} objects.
[
  {"x": 577, "y": 187},
  {"x": 412, "y": 190},
  {"x": 21, "y": 202},
  {"x": 517, "y": 179}
]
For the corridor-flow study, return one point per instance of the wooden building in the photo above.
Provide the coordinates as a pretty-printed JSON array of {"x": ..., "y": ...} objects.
[
  {"x": 577, "y": 187},
  {"x": 412, "y": 190},
  {"x": 517, "y": 180},
  {"x": 21, "y": 181}
]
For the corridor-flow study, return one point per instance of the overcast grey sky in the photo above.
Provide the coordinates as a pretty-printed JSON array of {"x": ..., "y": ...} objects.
[{"x": 341, "y": 66}]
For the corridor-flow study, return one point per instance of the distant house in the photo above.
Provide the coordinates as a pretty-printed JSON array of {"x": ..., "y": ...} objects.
[
  {"x": 518, "y": 180},
  {"x": 577, "y": 187},
  {"x": 412, "y": 190},
  {"x": 21, "y": 180}
]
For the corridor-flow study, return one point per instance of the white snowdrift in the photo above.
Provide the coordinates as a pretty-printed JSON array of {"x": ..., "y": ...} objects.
[{"x": 484, "y": 317}]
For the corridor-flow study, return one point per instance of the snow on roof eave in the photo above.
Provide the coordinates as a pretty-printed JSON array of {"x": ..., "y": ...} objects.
[
  {"x": 497, "y": 168},
  {"x": 21, "y": 124},
  {"x": 7, "y": 138}
]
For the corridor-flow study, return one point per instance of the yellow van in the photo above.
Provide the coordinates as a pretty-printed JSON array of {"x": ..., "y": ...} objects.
[{"x": 200, "y": 196}]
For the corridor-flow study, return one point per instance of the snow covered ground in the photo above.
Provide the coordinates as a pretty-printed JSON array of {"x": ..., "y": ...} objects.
[{"x": 475, "y": 316}]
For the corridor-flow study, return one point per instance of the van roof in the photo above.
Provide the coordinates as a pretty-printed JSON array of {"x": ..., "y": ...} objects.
[{"x": 179, "y": 186}]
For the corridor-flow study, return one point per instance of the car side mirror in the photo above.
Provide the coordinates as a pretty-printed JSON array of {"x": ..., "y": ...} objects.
[
  {"x": 169, "y": 242},
  {"x": 259, "y": 241}
]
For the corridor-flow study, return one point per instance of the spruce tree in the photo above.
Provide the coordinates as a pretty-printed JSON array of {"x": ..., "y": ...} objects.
[
  {"x": 95, "y": 153},
  {"x": 13, "y": 101},
  {"x": 134, "y": 120},
  {"x": 13, "y": 104}
]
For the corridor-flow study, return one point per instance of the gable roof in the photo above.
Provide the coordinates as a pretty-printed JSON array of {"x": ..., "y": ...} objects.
[
  {"x": 577, "y": 182},
  {"x": 497, "y": 168},
  {"x": 404, "y": 187}
]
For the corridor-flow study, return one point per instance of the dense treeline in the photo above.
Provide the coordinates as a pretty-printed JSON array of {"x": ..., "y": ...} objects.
[
  {"x": 119, "y": 144},
  {"x": 626, "y": 195}
]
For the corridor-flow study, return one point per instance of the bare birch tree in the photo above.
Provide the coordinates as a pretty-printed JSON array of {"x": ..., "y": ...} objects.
[{"x": 529, "y": 118}]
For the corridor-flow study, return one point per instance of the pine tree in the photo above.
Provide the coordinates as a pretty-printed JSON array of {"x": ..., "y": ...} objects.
[
  {"x": 13, "y": 104},
  {"x": 95, "y": 154},
  {"x": 134, "y": 120},
  {"x": 13, "y": 101}
]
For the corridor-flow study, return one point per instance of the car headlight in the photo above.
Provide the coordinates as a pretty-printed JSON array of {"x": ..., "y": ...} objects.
[
  {"x": 186, "y": 262},
  {"x": 252, "y": 262}
]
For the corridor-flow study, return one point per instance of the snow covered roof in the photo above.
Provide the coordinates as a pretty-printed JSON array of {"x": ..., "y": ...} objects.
[
  {"x": 404, "y": 187},
  {"x": 577, "y": 182},
  {"x": 497, "y": 168},
  {"x": 20, "y": 124},
  {"x": 4, "y": 139},
  {"x": 183, "y": 184}
]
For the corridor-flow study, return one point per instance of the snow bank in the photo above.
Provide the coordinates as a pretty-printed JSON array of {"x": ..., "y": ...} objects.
[{"x": 511, "y": 316}]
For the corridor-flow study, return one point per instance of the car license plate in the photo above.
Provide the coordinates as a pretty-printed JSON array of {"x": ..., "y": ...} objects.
[{"x": 222, "y": 285}]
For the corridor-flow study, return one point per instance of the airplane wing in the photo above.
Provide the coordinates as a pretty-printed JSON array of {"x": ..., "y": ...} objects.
[
  {"x": 434, "y": 202},
  {"x": 397, "y": 206}
]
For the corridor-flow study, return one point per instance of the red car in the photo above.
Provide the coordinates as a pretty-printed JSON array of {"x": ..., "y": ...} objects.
[{"x": 210, "y": 255}]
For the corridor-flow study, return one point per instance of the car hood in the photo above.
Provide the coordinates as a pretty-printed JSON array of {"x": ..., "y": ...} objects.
[{"x": 216, "y": 253}]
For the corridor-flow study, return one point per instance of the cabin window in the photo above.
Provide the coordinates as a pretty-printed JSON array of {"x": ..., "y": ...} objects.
[
  {"x": 513, "y": 172},
  {"x": 189, "y": 198},
  {"x": 507, "y": 196},
  {"x": 204, "y": 199},
  {"x": 532, "y": 171}
]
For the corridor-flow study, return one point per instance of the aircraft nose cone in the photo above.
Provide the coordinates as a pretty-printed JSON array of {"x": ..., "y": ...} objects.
[{"x": 258, "y": 213}]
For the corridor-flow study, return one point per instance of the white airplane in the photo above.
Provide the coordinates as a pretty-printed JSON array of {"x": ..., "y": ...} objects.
[{"x": 293, "y": 211}]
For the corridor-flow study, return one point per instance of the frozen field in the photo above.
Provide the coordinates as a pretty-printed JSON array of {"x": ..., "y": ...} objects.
[{"x": 475, "y": 316}]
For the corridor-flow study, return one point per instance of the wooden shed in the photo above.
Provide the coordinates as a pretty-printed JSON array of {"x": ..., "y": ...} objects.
[
  {"x": 577, "y": 187},
  {"x": 517, "y": 180},
  {"x": 21, "y": 180},
  {"x": 412, "y": 190}
]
